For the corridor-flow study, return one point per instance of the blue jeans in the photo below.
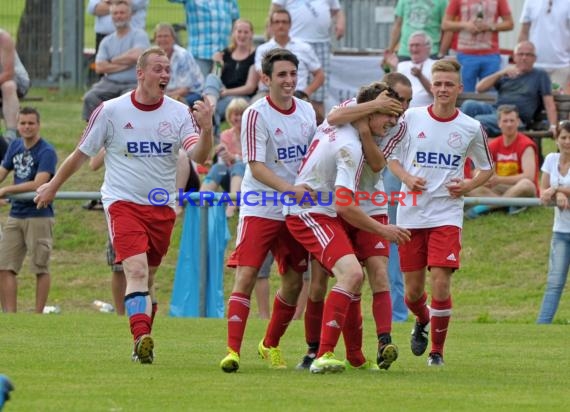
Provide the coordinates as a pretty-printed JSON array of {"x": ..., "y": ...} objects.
[
  {"x": 399, "y": 309},
  {"x": 558, "y": 265},
  {"x": 477, "y": 66},
  {"x": 484, "y": 112}
]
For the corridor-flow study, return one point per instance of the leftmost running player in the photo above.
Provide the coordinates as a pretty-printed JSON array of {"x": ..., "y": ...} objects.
[{"x": 141, "y": 132}]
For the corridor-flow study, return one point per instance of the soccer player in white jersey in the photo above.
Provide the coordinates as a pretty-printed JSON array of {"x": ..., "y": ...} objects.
[
  {"x": 276, "y": 131},
  {"x": 141, "y": 132},
  {"x": 332, "y": 167},
  {"x": 375, "y": 257},
  {"x": 430, "y": 158}
]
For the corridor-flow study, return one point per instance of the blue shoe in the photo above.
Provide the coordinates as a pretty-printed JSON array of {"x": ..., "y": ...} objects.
[
  {"x": 5, "y": 388},
  {"x": 477, "y": 211}
]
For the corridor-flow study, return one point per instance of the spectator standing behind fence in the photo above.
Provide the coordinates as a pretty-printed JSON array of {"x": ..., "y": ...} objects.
[
  {"x": 208, "y": 24},
  {"x": 27, "y": 230},
  {"x": 546, "y": 23},
  {"x": 101, "y": 9},
  {"x": 238, "y": 77},
  {"x": 229, "y": 170},
  {"x": 555, "y": 187},
  {"x": 414, "y": 15},
  {"x": 516, "y": 165},
  {"x": 186, "y": 78},
  {"x": 477, "y": 22},
  {"x": 139, "y": 190},
  {"x": 116, "y": 59},
  {"x": 522, "y": 85},
  {"x": 311, "y": 22},
  {"x": 14, "y": 84},
  {"x": 280, "y": 23}
]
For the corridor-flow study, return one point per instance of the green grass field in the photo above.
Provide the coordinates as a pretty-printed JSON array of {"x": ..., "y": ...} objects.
[
  {"x": 497, "y": 358},
  {"x": 81, "y": 362}
]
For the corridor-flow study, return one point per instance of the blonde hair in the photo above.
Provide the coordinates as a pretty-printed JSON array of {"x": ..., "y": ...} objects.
[
  {"x": 233, "y": 44},
  {"x": 143, "y": 58},
  {"x": 236, "y": 105},
  {"x": 448, "y": 66},
  {"x": 163, "y": 26}
]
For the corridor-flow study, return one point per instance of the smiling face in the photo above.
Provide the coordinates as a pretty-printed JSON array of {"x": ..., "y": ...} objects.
[
  {"x": 243, "y": 33},
  {"x": 283, "y": 80},
  {"x": 380, "y": 123},
  {"x": 563, "y": 140},
  {"x": 163, "y": 39}
]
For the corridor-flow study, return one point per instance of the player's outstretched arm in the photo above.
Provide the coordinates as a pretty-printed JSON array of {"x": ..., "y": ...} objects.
[
  {"x": 46, "y": 192},
  {"x": 266, "y": 176},
  {"x": 383, "y": 103}
]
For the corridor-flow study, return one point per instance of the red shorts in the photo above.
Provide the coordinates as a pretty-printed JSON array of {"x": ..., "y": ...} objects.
[
  {"x": 435, "y": 246},
  {"x": 323, "y": 236},
  {"x": 257, "y": 235},
  {"x": 368, "y": 244},
  {"x": 136, "y": 229}
]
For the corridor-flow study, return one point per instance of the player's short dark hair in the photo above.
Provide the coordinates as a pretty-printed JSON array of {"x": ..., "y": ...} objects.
[
  {"x": 30, "y": 110},
  {"x": 275, "y": 55},
  {"x": 394, "y": 78}
]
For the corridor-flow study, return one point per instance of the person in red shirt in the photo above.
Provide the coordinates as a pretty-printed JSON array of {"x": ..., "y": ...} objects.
[{"x": 516, "y": 164}]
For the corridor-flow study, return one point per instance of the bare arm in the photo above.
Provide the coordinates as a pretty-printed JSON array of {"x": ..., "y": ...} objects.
[
  {"x": 445, "y": 44},
  {"x": 340, "y": 23},
  {"x": 129, "y": 57},
  {"x": 395, "y": 35},
  {"x": 318, "y": 80},
  {"x": 487, "y": 83},
  {"x": 348, "y": 114},
  {"x": 524, "y": 33},
  {"x": 31, "y": 186},
  {"x": 108, "y": 67},
  {"x": 354, "y": 215},
  {"x": 372, "y": 153},
  {"x": 98, "y": 160},
  {"x": 102, "y": 8},
  {"x": 414, "y": 183},
  {"x": 550, "y": 108},
  {"x": 266, "y": 176},
  {"x": 7, "y": 57},
  {"x": 47, "y": 191},
  {"x": 202, "y": 113}
]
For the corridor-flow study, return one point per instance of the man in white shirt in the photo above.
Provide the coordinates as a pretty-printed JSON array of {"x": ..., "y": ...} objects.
[
  {"x": 309, "y": 63},
  {"x": 418, "y": 69},
  {"x": 430, "y": 159},
  {"x": 142, "y": 133}
]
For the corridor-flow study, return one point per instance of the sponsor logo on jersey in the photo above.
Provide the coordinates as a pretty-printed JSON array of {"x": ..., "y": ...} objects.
[
  {"x": 438, "y": 160},
  {"x": 278, "y": 132},
  {"x": 452, "y": 257},
  {"x": 128, "y": 126},
  {"x": 149, "y": 148},
  {"x": 292, "y": 152},
  {"x": 380, "y": 245},
  {"x": 421, "y": 135}
]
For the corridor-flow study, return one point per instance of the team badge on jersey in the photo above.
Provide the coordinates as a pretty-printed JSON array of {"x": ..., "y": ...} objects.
[
  {"x": 454, "y": 140},
  {"x": 165, "y": 129}
]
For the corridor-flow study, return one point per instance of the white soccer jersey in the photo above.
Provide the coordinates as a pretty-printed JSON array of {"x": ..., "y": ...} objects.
[
  {"x": 141, "y": 144},
  {"x": 308, "y": 60},
  {"x": 280, "y": 140},
  {"x": 436, "y": 149},
  {"x": 371, "y": 182},
  {"x": 334, "y": 158}
]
